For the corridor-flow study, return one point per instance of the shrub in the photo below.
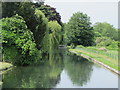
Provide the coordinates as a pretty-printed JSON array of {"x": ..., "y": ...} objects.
[
  {"x": 103, "y": 41},
  {"x": 113, "y": 45},
  {"x": 80, "y": 46},
  {"x": 15, "y": 33}
]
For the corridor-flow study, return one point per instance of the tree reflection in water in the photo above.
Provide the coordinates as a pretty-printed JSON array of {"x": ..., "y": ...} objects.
[
  {"x": 46, "y": 75},
  {"x": 79, "y": 69}
]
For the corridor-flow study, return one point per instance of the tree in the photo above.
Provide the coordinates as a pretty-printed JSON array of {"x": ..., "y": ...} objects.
[
  {"x": 103, "y": 41},
  {"x": 34, "y": 18},
  {"x": 106, "y": 30},
  {"x": 78, "y": 30},
  {"x": 54, "y": 30},
  {"x": 52, "y": 37},
  {"x": 50, "y": 13},
  {"x": 46, "y": 75},
  {"x": 0, "y": 9},
  {"x": 16, "y": 34},
  {"x": 9, "y": 8},
  {"x": 41, "y": 27}
]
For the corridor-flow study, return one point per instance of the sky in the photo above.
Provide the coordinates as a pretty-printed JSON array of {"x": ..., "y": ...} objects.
[{"x": 97, "y": 10}]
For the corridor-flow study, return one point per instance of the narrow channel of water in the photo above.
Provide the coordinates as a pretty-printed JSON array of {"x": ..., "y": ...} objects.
[{"x": 62, "y": 70}]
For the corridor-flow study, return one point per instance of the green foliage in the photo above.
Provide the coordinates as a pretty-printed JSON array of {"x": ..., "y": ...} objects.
[
  {"x": 35, "y": 19},
  {"x": 0, "y": 9},
  {"x": 50, "y": 13},
  {"x": 31, "y": 30},
  {"x": 107, "y": 42},
  {"x": 106, "y": 30},
  {"x": 54, "y": 37},
  {"x": 113, "y": 45},
  {"x": 103, "y": 41},
  {"x": 36, "y": 76},
  {"x": 106, "y": 35},
  {"x": 15, "y": 33},
  {"x": 41, "y": 27},
  {"x": 27, "y": 11},
  {"x": 80, "y": 46},
  {"x": 79, "y": 31},
  {"x": 9, "y": 8}
]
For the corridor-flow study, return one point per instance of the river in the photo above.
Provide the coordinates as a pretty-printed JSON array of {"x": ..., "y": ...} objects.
[{"x": 62, "y": 70}]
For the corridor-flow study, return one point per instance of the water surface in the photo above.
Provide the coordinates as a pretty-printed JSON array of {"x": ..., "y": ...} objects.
[{"x": 61, "y": 70}]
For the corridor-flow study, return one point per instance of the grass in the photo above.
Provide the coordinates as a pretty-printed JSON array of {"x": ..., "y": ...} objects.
[
  {"x": 4, "y": 65},
  {"x": 109, "y": 57}
]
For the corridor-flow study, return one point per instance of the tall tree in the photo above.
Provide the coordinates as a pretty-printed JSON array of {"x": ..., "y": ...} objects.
[
  {"x": 50, "y": 13},
  {"x": 9, "y": 8},
  {"x": 52, "y": 37},
  {"x": 79, "y": 31},
  {"x": 34, "y": 18}
]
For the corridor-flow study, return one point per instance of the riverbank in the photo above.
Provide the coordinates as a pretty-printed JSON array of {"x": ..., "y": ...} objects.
[
  {"x": 103, "y": 60},
  {"x": 5, "y": 66}
]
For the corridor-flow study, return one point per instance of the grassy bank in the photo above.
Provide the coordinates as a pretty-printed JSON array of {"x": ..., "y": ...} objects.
[
  {"x": 109, "y": 57},
  {"x": 5, "y": 66}
]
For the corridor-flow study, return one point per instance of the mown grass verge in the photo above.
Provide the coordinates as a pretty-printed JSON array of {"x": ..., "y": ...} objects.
[{"x": 105, "y": 59}]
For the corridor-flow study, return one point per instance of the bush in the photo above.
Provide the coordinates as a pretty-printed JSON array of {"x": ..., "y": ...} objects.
[
  {"x": 103, "y": 41},
  {"x": 15, "y": 33},
  {"x": 80, "y": 46},
  {"x": 113, "y": 45}
]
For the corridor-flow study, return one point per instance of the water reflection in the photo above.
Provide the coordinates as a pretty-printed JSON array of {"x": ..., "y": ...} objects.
[
  {"x": 41, "y": 76},
  {"x": 60, "y": 70},
  {"x": 78, "y": 69}
]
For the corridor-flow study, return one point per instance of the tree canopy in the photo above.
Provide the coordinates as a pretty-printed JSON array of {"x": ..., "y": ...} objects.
[
  {"x": 15, "y": 33},
  {"x": 106, "y": 30},
  {"x": 50, "y": 13},
  {"x": 79, "y": 30}
]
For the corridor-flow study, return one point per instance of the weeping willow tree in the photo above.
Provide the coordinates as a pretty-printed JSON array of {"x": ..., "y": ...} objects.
[
  {"x": 54, "y": 34},
  {"x": 52, "y": 38},
  {"x": 41, "y": 27}
]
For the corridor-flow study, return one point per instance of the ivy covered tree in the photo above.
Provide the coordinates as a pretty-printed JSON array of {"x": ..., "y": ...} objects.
[{"x": 78, "y": 30}]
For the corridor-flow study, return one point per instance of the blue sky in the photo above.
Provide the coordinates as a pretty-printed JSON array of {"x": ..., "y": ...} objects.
[{"x": 98, "y": 10}]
